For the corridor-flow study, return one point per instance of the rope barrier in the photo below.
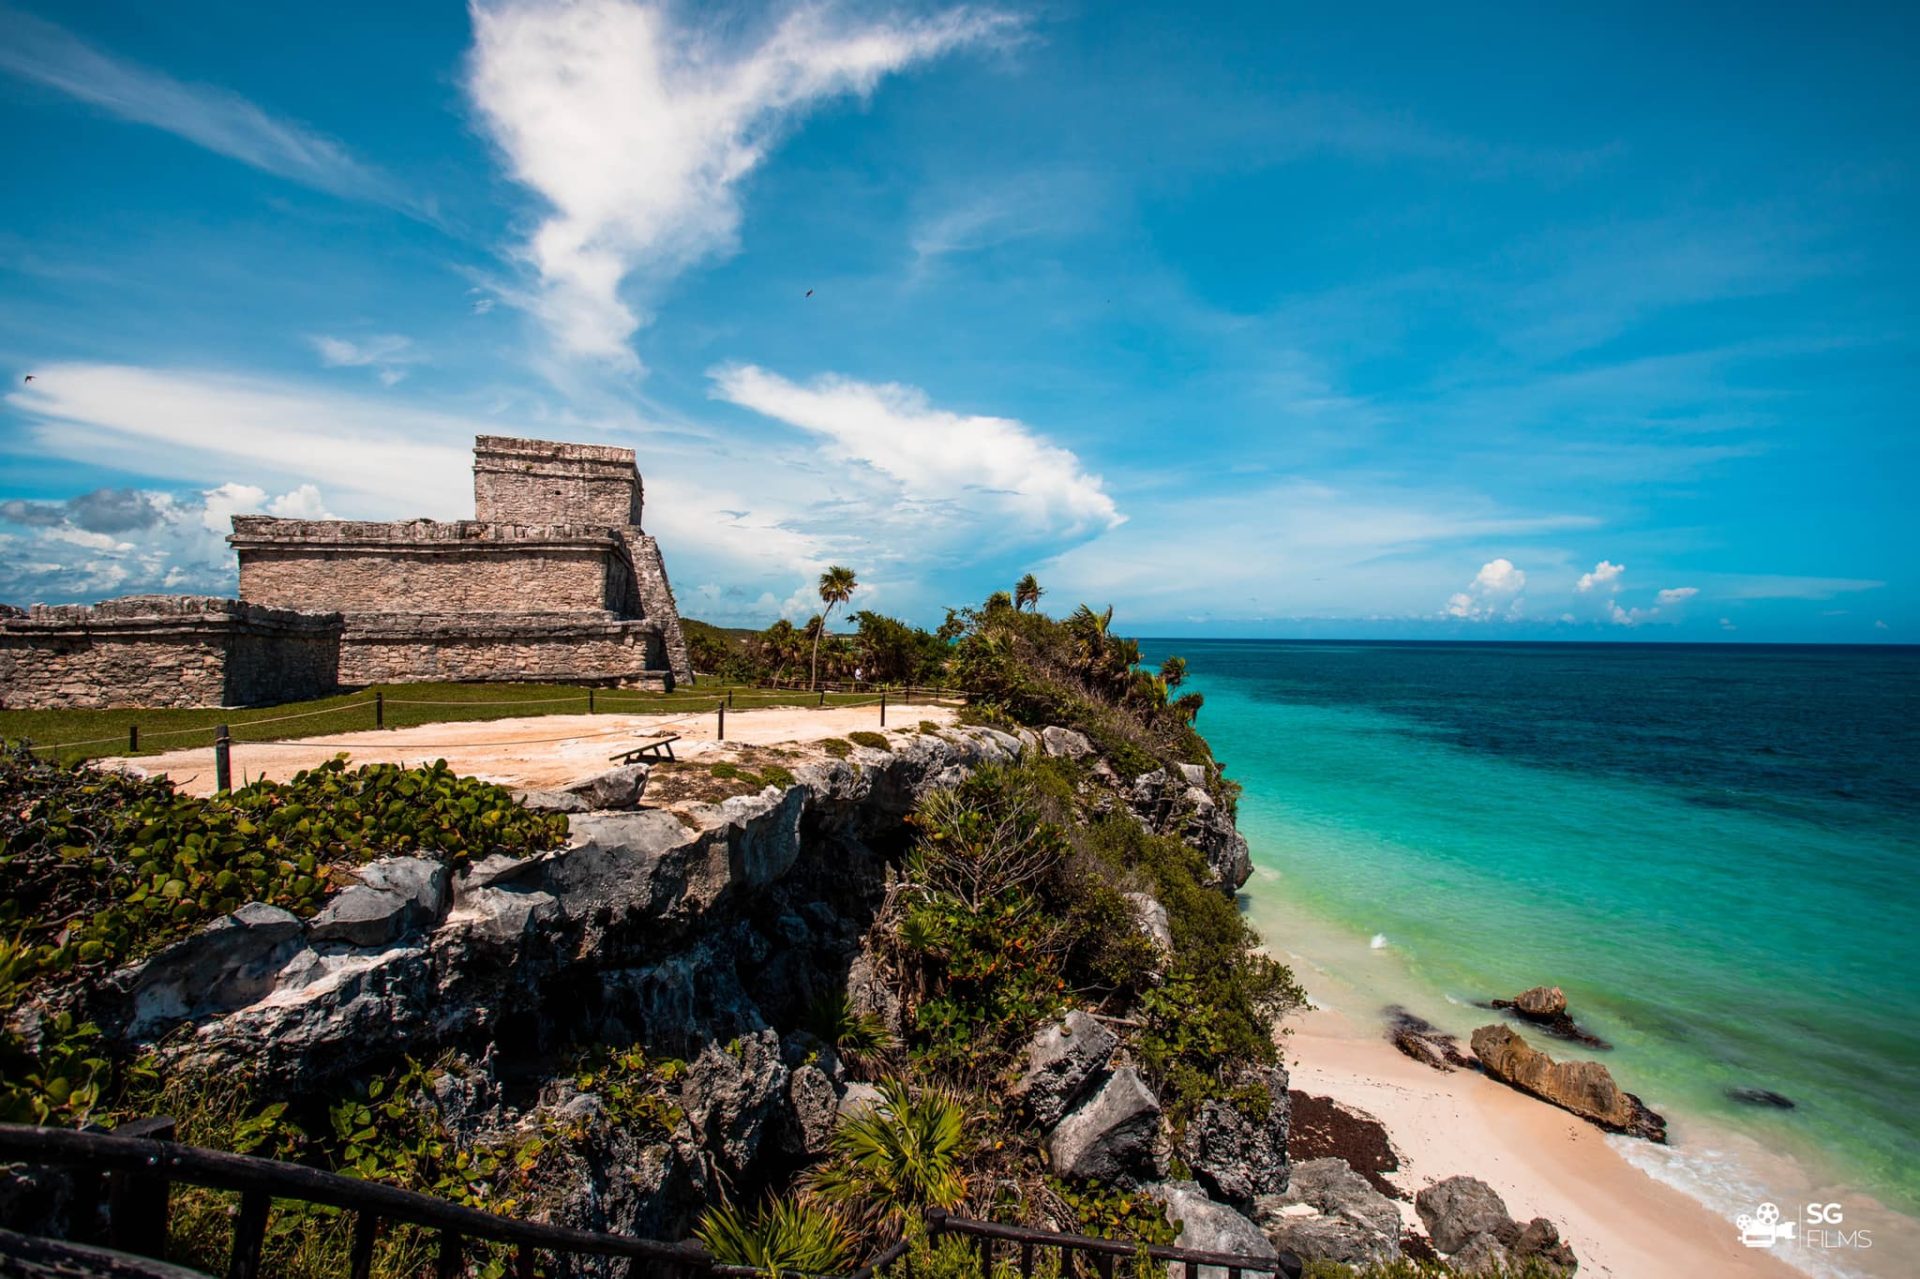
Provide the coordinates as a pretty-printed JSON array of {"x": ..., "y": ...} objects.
[
  {"x": 665, "y": 704},
  {"x": 521, "y": 701}
]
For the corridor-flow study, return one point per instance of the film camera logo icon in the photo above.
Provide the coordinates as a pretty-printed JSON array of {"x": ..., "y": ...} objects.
[{"x": 1763, "y": 1228}]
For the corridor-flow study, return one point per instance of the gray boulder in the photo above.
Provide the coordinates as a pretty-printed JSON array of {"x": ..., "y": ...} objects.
[
  {"x": 857, "y": 1100},
  {"x": 551, "y": 801},
  {"x": 1195, "y": 774},
  {"x": 731, "y": 1096},
  {"x": 1151, "y": 916},
  {"x": 1061, "y": 1060},
  {"x": 1329, "y": 1212},
  {"x": 1113, "y": 1137},
  {"x": 614, "y": 789},
  {"x": 1065, "y": 742},
  {"x": 1239, "y": 1154},
  {"x": 226, "y": 965},
  {"x": 361, "y": 916},
  {"x": 1481, "y": 1255},
  {"x": 815, "y": 1110},
  {"x": 1206, "y": 1226},
  {"x": 1457, "y": 1209},
  {"x": 420, "y": 881}
]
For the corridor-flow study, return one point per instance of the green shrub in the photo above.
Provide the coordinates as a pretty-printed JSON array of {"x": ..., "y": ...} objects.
[
  {"x": 838, "y": 747},
  {"x": 103, "y": 869},
  {"x": 898, "y": 1158},
  {"x": 1116, "y": 1214},
  {"x": 786, "y": 1236},
  {"x": 876, "y": 741}
]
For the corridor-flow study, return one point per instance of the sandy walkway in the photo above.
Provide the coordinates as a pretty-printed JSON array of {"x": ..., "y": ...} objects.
[
  {"x": 1543, "y": 1161},
  {"x": 541, "y": 751}
]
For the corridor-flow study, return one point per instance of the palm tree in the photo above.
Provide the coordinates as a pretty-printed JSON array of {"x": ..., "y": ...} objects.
[
  {"x": 999, "y": 602},
  {"x": 837, "y": 586},
  {"x": 1173, "y": 672},
  {"x": 1027, "y": 592}
]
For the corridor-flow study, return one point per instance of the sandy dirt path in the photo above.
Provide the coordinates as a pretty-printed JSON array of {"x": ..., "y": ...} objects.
[{"x": 536, "y": 752}]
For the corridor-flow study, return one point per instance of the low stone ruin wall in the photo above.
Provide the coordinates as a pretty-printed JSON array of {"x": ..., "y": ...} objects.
[
  {"x": 165, "y": 650},
  {"x": 565, "y": 648}
]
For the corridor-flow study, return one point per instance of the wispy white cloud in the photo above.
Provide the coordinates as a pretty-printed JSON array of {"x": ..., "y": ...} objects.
[
  {"x": 1676, "y": 595},
  {"x": 388, "y": 355},
  {"x": 994, "y": 473},
  {"x": 209, "y": 116},
  {"x": 638, "y": 129},
  {"x": 1782, "y": 586}
]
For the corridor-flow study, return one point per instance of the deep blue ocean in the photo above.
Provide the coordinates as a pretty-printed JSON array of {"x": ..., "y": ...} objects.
[{"x": 1712, "y": 848}]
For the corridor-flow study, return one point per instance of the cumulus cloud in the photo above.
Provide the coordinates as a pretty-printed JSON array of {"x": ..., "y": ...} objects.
[
  {"x": 1494, "y": 592},
  {"x": 1605, "y": 576},
  {"x": 638, "y": 129},
  {"x": 386, "y": 354},
  {"x": 950, "y": 466},
  {"x": 178, "y": 543},
  {"x": 212, "y": 117}
]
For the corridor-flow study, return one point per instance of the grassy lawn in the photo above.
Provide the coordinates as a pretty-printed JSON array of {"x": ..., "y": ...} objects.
[{"x": 86, "y": 734}]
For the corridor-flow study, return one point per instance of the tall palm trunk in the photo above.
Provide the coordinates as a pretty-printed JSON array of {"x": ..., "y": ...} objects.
[{"x": 814, "y": 683}]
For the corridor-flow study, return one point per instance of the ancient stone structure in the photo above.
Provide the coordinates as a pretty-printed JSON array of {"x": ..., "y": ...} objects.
[
  {"x": 552, "y": 580},
  {"x": 165, "y": 650}
]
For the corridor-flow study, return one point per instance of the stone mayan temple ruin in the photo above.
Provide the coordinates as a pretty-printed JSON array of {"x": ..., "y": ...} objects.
[{"x": 552, "y": 580}]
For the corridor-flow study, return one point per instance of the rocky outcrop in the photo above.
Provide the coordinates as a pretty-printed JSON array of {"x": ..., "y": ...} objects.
[
  {"x": 1169, "y": 804},
  {"x": 229, "y": 964},
  {"x": 648, "y": 924},
  {"x": 1112, "y": 1137},
  {"x": 1583, "y": 1087},
  {"x": 1546, "y": 1007},
  {"x": 1423, "y": 1041},
  {"x": 1239, "y": 1150},
  {"x": 1331, "y": 1213},
  {"x": 1468, "y": 1221},
  {"x": 1061, "y": 1061},
  {"x": 1206, "y": 1226},
  {"x": 1065, "y": 743}
]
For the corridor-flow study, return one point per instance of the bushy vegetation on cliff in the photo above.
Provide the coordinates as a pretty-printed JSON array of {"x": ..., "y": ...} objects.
[
  {"x": 1018, "y": 901},
  {"x": 101, "y": 868}
]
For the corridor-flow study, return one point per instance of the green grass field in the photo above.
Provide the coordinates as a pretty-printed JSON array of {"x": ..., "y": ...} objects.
[{"x": 70, "y": 735}]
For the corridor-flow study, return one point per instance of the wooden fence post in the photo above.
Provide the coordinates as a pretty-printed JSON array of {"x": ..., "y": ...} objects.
[
  {"x": 379, "y": 709},
  {"x": 137, "y": 1201},
  {"x": 222, "y": 759},
  {"x": 133, "y": 739},
  {"x": 722, "y": 735},
  {"x": 883, "y": 710}
]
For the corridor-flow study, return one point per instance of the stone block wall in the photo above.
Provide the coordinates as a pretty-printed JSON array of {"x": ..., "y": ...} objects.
[
  {"x": 560, "y": 649},
  {"x": 540, "y": 482},
  {"x": 428, "y": 567},
  {"x": 165, "y": 650}
]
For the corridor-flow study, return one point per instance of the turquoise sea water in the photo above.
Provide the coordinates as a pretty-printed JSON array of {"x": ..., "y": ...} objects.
[{"x": 1711, "y": 848}]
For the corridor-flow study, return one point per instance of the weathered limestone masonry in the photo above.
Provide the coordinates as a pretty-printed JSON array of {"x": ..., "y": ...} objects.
[
  {"x": 165, "y": 650},
  {"x": 554, "y": 580}
]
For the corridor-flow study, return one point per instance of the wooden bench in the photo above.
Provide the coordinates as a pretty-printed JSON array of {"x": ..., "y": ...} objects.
[{"x": 658, "y": 748}]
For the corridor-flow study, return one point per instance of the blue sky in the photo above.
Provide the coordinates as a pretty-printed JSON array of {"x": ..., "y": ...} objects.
[{"x": 1250, "y": 320}]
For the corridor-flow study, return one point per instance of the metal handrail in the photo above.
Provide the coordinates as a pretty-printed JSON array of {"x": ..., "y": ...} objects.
[{"x": 142, "y": 1166}]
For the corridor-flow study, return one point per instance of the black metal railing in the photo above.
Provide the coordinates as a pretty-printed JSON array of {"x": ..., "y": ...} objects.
[{"x": 141, "y": 1163}]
